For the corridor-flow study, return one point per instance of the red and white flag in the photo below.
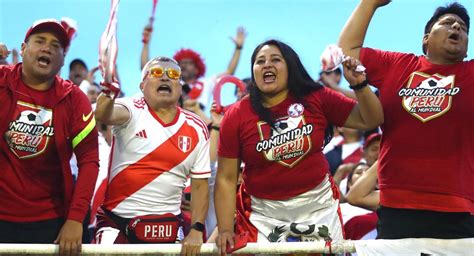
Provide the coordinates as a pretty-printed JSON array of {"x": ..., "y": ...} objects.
[{"x": 108, "y": 47}]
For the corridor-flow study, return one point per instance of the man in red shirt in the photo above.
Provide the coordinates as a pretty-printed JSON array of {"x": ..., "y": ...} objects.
[
  {"x": 43, "y": 120},
  {"x": 426, "y": 157}
]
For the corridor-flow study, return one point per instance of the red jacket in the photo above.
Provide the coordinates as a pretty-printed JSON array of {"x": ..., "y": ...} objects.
[{"x": 74, "y": 131}]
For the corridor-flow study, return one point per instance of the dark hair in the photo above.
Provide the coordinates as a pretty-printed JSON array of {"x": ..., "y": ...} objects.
[
  {"x": 75, "y": 62},
  {"x": 453, "y": 8},
  {"x": 299, "y": 82},
  {"x": 349, "y": 176},
  {"x": 247, "y": 82}
]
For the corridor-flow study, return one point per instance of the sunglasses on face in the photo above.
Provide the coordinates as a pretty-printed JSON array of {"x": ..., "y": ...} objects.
[{"x": 157, "y": 72}]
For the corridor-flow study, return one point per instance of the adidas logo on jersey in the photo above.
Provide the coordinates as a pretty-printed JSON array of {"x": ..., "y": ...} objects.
[{"x": 141, "y": 134}]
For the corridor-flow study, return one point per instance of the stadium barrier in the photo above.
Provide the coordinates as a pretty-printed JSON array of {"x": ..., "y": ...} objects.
[{"x": 366, "y": 247}]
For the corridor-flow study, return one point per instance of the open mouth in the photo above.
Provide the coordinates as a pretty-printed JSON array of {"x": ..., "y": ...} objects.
[
  {"x": 269, "y": 77},
  {"x": 454, "y": 37},
  {"x": 44, "y": 61},
  {"x": 164, "y": 88}
]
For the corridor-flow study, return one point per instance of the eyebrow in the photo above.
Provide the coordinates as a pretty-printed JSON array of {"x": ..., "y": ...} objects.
[
  {"x": 452, "y": 18},
  {"x": 272, "y": 55},
  {"x": 44, "y": 38}
]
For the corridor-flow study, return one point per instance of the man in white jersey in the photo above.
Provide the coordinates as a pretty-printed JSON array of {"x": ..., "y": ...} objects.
[{"x": 156, "y": 146}]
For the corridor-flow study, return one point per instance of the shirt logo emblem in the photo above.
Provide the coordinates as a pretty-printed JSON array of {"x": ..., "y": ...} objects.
[
  {"x": 295, "y": 110},
  {"x": 427, "y": 97},
  {"x": 86, "y": 117},
  {"x": 184, "y": 143},
  {"x": 287, "y": 143},
  {"x": 29, "y": 133}
]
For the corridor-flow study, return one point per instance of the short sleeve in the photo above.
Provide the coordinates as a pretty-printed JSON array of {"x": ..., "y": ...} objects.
[
  {"x": 134, "y": 106},
  {"x": 202, "y": 166},
  {"x": 379, "y": 63},
  {"x": 229, "y": 146},
  {"x": 336, "y": 107}
]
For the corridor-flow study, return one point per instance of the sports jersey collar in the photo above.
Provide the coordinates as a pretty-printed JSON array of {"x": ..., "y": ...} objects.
[{"x": 175, "y": 120}]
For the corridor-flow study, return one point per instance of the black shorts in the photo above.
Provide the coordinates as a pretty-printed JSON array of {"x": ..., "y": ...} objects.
[
  {"x": 40, "y": 232},
  {"x": 395, "y": 223}
]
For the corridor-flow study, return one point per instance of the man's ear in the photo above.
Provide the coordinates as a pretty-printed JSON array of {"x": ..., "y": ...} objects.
[
  {"x": 425, "y": 38},
  {"x": 141, "y": 85},
  {"x": 425, "y": 42}
]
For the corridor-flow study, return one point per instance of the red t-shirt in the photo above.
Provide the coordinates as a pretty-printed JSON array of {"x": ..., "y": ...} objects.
[
  {"x": 31, "y": 178},
  {"x": 426, "y": 157},
  {"x": 288, "y": 161}
]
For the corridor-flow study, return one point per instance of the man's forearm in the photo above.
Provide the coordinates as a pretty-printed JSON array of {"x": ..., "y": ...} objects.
[{"x": 199, "y": 200}]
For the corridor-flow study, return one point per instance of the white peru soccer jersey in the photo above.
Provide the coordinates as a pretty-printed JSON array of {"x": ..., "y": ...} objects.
[{"x": 150, "y": 160}]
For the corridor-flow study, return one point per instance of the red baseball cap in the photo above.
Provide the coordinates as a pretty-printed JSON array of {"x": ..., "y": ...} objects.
[
  {"x": 371, "y": 138},
  {"x": 50, "y": 25}
]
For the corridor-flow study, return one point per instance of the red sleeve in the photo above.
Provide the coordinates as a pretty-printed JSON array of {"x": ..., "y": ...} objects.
[
  {"x": 229, "y": 146},
  {"x": 336, "y": 107},
  {"x": 379, "y": 63},
  {"x": 86, "y": 149}
]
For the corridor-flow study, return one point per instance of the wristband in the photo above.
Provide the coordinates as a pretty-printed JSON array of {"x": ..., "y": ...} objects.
[
  {"x": 217, "y": 128},
  {"x": 198, "y": 226},
  {"x": 359, "y": 86},
  {"x": 110, "y": 90},
  {"x": 238, "y": 47}
]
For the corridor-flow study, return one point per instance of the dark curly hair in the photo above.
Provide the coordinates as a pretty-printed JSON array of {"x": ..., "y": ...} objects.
[{"x": 299, "y": 83}]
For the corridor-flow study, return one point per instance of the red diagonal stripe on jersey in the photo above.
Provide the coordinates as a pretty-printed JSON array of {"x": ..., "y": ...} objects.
[
  {"x": 162, "y": 159},
  {"x": 144, "y": 134}
]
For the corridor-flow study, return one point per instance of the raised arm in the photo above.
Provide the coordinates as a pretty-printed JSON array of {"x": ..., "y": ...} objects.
[
  {"x": 367, "y": 113},
  {"x": 238, "y": 40},
  {"x": 353, "y": 34},
  {"x": 145, "y": 55},
  {"x": 363, "y": 193},
  {"x": 216, "y": 119},
  {"x": 224, "y": 200},
  {"x": 109, "y": 113}
]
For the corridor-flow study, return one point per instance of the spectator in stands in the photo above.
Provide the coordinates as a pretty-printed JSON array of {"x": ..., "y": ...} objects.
[
  {"x": 44, "y": 119},
  {"x": 193, "y": 68},
  {"x": 77, "y": 71},
  {"x": 84, "y": 78},
  {"x": 332, "y": 79},
  {"x": 371, "y": 148},
  {"x": 362, "y": 187},
  {"x": 4, "y": 56},
  {"x": 157, "y": 145},
  {"x": 348, "y": 151},
  {"x": 426, "y": 164},
  {"x": 278, "y": 132},
  {"x": 93, "y": 92},
  {"x": 358, "y": 221}
]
